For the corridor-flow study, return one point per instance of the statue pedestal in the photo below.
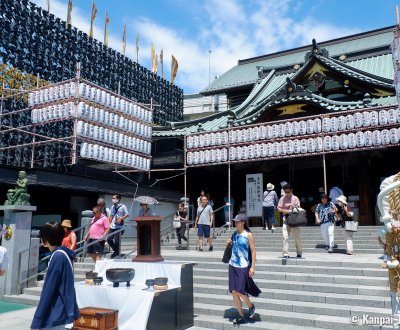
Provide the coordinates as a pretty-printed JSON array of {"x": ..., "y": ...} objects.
[
  {"x": 148, "y": 239},
  {"x": 19, "y": 218}
]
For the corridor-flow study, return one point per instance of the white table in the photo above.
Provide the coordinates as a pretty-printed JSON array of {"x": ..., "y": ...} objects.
[{"x": 133, "y": 303}]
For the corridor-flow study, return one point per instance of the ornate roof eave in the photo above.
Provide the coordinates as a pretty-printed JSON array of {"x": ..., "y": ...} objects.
[{"x": 306, "y": 97}]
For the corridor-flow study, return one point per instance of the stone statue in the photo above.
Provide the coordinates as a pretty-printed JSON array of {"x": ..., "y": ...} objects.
[{"x": 19, "y": 195}]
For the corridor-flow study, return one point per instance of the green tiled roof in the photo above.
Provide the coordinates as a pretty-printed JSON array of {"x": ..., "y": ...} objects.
[
  {"x": 373, "y": 68},
  {"x": 245, "y": 73}
]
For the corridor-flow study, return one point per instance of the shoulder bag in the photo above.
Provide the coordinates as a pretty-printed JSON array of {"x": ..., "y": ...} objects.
[
  {"x": 296, "y": 219},
  {"x": 177, "y": 221},
  {"x": 351, "y": 226},
  {"x": 228, "y": 252}
]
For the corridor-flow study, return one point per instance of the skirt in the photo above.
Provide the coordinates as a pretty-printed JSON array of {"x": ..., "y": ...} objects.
[{"x": 240, "y": 281}]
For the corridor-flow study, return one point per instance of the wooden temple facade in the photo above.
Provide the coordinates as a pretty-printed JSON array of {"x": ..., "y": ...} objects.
[{"x": 320, "y": 115}]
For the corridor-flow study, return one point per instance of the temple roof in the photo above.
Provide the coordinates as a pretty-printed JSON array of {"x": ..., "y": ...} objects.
[{"x": 278, "y": 91}]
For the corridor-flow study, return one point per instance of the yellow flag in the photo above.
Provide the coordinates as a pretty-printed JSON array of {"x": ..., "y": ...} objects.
[
  {"x": 69, "y": 14},
  {"x": 155, "y": 64},
  {"x": 153, "y": 58},
  {"x": 94, "y": 13},
  {"x": 162, "y": 63},
  {"x": 106, "y": 30},
  {"x": 137, "y": 47},
  {"x": 124, "y": 40},
  {"x": 174, "y": 69}
]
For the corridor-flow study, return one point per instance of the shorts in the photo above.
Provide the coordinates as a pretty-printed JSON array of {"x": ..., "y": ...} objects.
[
  {"x": 203, "y": 230},
  {"x": 97, "y": 248}
]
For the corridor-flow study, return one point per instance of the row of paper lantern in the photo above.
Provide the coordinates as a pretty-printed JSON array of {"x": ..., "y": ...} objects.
[
  {"x": 311, "y": 145},
  {"x": 294, "y": 128},
  {"x": 68, "y": 90},
  {"x": 66, "y": 110},
  {"x": 112, "y": 137},
  {"x": 94, "y": 151},
  {"x": 111, "y": 119}
]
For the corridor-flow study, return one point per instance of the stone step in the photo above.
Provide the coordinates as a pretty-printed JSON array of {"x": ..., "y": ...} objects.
[
  {"x": 302, "y": 277},
  {"x": 212, "y": 283},
  {"x": 266, "y": 267},
  {"x": 286, "y": 318},
  {"x": 22, "y": 299},
  {"x": 341, "y": 310},
  {"x": 218, "y": 322}
]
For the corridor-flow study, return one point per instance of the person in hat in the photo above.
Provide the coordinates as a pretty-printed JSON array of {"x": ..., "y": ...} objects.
[
  {"x": 69, "y": 239},
  {"x": 119, "y": 213},
  {"x": 270, "y": 202},
  {"x": 325, "y": 217},
  {"x": 3, "y": 255},
  {"x": 242, "y": 267},
  {"x": 344, "y": 214}
]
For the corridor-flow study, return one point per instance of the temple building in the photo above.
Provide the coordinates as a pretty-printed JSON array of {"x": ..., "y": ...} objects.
[{"x": 321, "y": 115}]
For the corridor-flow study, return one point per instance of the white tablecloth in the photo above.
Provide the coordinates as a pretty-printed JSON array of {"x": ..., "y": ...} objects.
[
  {"x": 144, "y": 270},
  {"x": 133, "y": 303}
]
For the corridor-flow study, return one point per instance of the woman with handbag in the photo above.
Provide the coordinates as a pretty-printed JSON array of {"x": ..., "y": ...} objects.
[
  {"x": 325, "y": 217},
  {"x": 180, "y": 219},
  {"x": 242, "y": 268},
  {"x": 345, "y": 214}
]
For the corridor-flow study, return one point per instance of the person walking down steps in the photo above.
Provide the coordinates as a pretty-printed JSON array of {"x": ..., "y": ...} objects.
[{"x": 270, "y": 202}]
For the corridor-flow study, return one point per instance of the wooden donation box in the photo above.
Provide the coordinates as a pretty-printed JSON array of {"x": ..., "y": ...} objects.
[
  {"x": 148, "y": 239},
  {"x": 96, "y": 318}
]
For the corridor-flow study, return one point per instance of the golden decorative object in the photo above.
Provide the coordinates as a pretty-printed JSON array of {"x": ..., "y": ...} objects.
[
  {"x": 342, "y": 57},
  {"x": 291, "y": 109},
  {"x": 9, "y": 232},
  {"x": 381, "y": 92},
  {"x": 317, "y": 67}
]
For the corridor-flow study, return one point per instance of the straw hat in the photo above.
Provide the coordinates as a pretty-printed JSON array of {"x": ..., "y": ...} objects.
[
  {"x": 66, "y": 223},
  {"x": 270, "y": 186},
  {"x": 342, "y": 199}
]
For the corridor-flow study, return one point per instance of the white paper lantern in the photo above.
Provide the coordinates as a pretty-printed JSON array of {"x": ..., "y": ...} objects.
[
  {"x": 239, "y": 152},
  {"x": 96, "y": 151},
  {"x": 245, "y": 133},
  {"x": 275, "y": 149},
  {"x": 326, "y": 125},
  {"x": 335, "y": 142},
  {"x": 257, "y": 150},
  {"x": 383, "y": 117},
  {"x": 283, "y": 148},
  {"x": 342, "y": 123},
  {"x": 256, "y": 133},
  {"x": 196, "y": 141},
  {"x": 201, "y": 157},
  {"x": 385, "y": 136},
  {"x": 317, "y": 125},
  {"x": 201, "y": 140},
  {"x": 269, "y": 132},
  {"x": 374, "y": 118},
  {"x": 251, "y": 151},
  {"x": 239, "y": 133},
  {"x": 281, "y": 130},
  {"x": 391, "y": 117},
  {"x": 264, "y": 150},
  {"x": 270, "y": 149},
  {"x": 376, "y": 138},
  {"x": 225, "y": 137},
  {"x": 310, "y": 126},
  {"x": 219, "y": 155},
  {"x": 213, "y": 139},
  {"x": 245, "y": 153},
  {"x": 207, "y": 156},
  {"x": 358, "y": 119},
  {"x": 303, "y": 146},
  {"x": 350, "y": 122},
  {"x": 189, "y": 142},
  {"x": 232, "y": 153},
  {"x": 397, "y": 115},
  {"x": 302, "y": 127},
  {"x": 394, "y": 138},
  {"x": 288, "y": 129},
  {"x": 289, "y": 147},
  {"x": 218, "y": 138},
  {"x": 360, "y": 139},
  {"x": 232, "y": 136},
  {"x": 84, "y": 149},
  {"x": 296, "y": 146},
  {"x": 343, "y": 141},
  {"x": 311, "y": 145},
  {"x": 327, "y": 143},
  {"x": 366, "y": 118},
  {"x": 264, "y": 131},
  {"x": 224, "y": 155},
  {"x": 319, "y": 144}
]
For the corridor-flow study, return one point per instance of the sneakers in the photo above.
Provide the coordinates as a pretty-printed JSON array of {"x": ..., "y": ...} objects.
[
  {"x": 239, "y": 320},
  {"x": 273, "y": 228},
  {"x": 211, "y": 248},
  {"x": 330, "y": 250},
  {"x": 252, "y": 311}
]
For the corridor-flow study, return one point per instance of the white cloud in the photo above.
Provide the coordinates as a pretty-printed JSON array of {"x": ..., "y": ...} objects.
[{"x": 231, "y": 29}]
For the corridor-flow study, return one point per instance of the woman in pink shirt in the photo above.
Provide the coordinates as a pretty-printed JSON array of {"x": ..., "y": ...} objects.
[
  {"x": 99, "y": 228},
  {"x": 285, "y": 205}
]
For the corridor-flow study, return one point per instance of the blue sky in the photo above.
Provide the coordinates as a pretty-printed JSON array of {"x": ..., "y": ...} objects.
[{"x": 231, "y": 29}]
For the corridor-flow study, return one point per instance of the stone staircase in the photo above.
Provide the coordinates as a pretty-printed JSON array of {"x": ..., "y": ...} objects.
[{"x": 319, "y": 291}]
